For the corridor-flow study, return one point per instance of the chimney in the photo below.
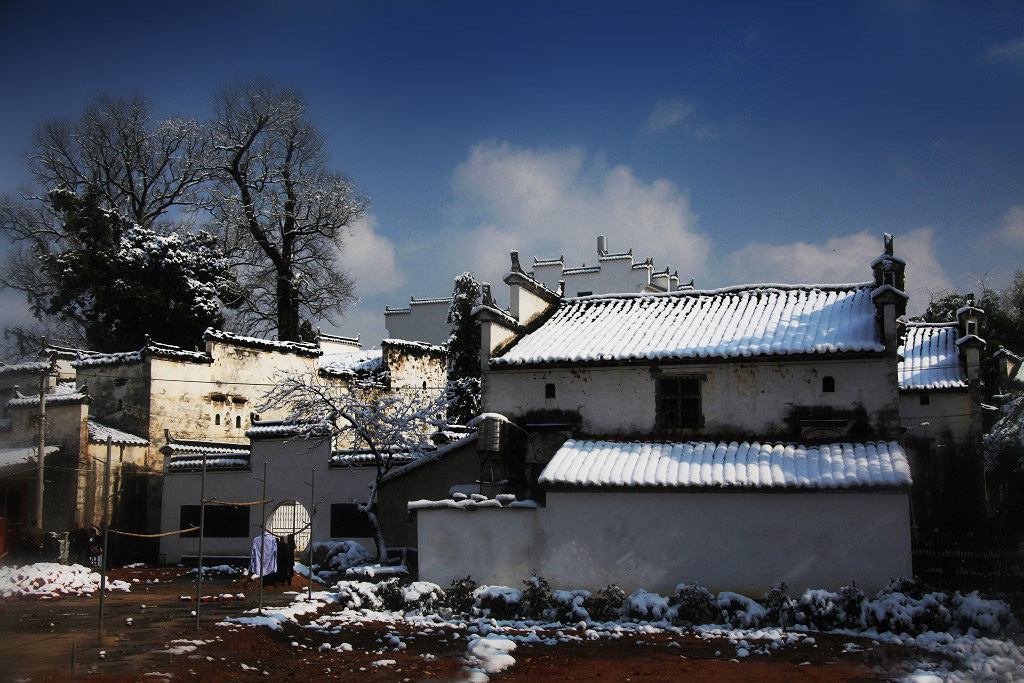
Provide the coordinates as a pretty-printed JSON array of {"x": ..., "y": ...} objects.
[
  {"x": 887, "y": 295},
  {"x": 970, "y": 343}
]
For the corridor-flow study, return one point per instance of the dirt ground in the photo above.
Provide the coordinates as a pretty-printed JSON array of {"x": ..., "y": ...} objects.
[{"x": 43, "y": 640}]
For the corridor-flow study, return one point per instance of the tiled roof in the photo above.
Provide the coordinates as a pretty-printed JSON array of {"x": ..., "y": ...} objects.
[
  {"x": 63, "y": 394},
  {"x": 35, "y": 367},
  {"x": 98, "y": 434},
  {"x": 284, "y": 429},
  {"x": 151, "y": 350},
  {"x": 753, "y": 320},
  {"x": 350, "y": 362},
  {"x": 23, "y": 454},
  {"x": 363, "y": 457},
  {"x": 727, "y": 465},
  {"x": 187, "y": 455},
  {"x": 931, "y": 359},
  {"x": 298, "y": 348}
]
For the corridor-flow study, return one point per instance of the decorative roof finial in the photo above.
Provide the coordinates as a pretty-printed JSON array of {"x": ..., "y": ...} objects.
[{"x": 888, "y": 244}]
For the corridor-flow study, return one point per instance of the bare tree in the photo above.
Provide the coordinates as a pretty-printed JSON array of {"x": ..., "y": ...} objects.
[
  {"x": 282, "y": 214},
  {"x": 385, "y": 421}
]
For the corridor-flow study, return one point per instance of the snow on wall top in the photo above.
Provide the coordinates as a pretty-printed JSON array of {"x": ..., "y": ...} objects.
[
  {"x": 98, "y": 434},
  {"x": 727, "y": 465},
  {"x": 350, "y": 362},
  {"x": 298, "y": 348},
  {"x": 35, "y": 367},
  {"x": 150, "y": 350},
  {"x": 65, "y": 393},
  {"x": 751, "y": 320},
  {"x": 187, "y": 455},
  {"x": 931, "y": 359}
]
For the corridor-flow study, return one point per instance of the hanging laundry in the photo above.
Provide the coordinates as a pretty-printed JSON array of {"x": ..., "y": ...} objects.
[{"x": 264, "y": 555}]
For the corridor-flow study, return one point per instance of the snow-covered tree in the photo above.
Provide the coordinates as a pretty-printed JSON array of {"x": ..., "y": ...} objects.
[
  {"x": 464, "y": 350},
  {"x": 283, "y": 215},
  {"x": 119, "y": 282},
  {"x": 365, "y": 413},
  {"x": 141, "y": 168}
]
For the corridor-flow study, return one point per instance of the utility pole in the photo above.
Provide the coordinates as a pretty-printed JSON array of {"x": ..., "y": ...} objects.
[
  {"x": 106, "y": 527},
  {"x": 202, "y": 531},
  {"x": 42, "y": 445},
  {"x": 263, "y": 531},
  {"x": 312, "y": 516}
]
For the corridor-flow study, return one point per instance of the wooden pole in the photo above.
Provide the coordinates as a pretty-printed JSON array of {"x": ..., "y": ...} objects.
[
  {"x": 42, "y": 449},
  {"x": 106, "y": 526},
  {"x": 312, "y": 516},
  {"x": 202, "y": 532},
  {"x": 263, "y": 531}
]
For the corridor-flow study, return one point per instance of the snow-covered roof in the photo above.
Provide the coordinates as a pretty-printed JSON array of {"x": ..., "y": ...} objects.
[
  {"x": 351, "y": 362},
  {"x": 150, "y": 350},
  {"x": 610, "y": 464},
  {"x": 472, "y": 502},
  {"x": 23, "y": 454},
  {"x": 751, "y": 320},
  {"x": 32, "y": 368},
  {"x": 98, "y": 434},
  {"x": 429, "y": 457},
  {"x": 187, "y": 455},
  {"x": 930, "y": 357},
  {"x": 286, "y": 429},
  {"x": 298, "y": 348},
  {"x": 65, "y": 393},
  {"x": 363, "y": 457}
]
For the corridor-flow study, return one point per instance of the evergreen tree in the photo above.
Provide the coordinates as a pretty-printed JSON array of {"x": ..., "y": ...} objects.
[
  {"x": 120, "y": 282},
  {"x": 464, "y": 350}
]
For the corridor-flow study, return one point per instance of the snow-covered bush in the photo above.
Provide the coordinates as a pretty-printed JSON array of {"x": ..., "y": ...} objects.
[
  {"x": 821, "y": 610},
  {"x": 423, "y": 596},
  {"x": 570, "y": 606},
  {"x": 989, "y": 617},
  {"x": 853, "y": 605},
  {"x": 498, "y": 602},
  {"x": 644, "y": 606},
  {"x": 391, "y": 595},
  {"x": 740, "y": 611},
  {"x": 606, "y": 604},
  {"x": 357, "y": 595},
  {"x": 461, "y": 595},
  {"x": 340, "y": 555},
  {"x": 901, "y": 613},
  {"x": 692, "y": 604},
  {"x": 780, "y": 608},
  {"x": 536, "y": 598}
]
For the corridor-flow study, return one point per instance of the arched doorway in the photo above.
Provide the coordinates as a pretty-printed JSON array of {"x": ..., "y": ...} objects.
[{"x": 290, "y": 517}]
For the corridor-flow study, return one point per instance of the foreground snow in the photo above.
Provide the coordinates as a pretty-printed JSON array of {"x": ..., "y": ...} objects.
[
  {"x": 490, "y": 644},
  {"x": 48, "y": 579}
]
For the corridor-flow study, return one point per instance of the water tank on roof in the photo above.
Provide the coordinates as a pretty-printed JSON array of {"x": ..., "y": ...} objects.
[{"x": 491, "y": 435}]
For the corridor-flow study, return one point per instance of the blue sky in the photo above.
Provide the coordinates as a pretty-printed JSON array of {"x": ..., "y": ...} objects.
[{"x": 735, "y": 142}]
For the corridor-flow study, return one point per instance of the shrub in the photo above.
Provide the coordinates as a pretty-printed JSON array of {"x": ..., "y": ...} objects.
[
  {"x": 853, "y": 604},
  {"x": 570, "y": 606},
  {"x": 988, "y": 617},
  {"x": 693, "y": 605},
  {"x": 821, "y": 609},
  {"x": 902, "y": 613},
  {"x": 460, "y": 596},
  {"x": 357, "y": 595},
  {"x": 606, "y": 604},
  {"x": 390, "y": 594},
  {"x": 498, "y": 602},
  {"x": 536, "y": 598},
  {"x": 644, "y": 606},
  {"x": 423, "y": 596},
  {"x": 740, "y": 611},
  {"x": 780, "y": 608}
]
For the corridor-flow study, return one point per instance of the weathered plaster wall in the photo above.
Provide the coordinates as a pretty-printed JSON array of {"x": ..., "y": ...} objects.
[
  {"x": 119, "y": 394},
  {"x": 752, "y": 400},
  {"x": 422, "y": 321},
  {"x": 744, "y": 542},
  {"x": 948, "y": 415},
  {"x": 289, "y": 468}
]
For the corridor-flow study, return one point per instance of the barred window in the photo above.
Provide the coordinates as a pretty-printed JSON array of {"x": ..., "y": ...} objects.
[{"x": 679, "y": 402}]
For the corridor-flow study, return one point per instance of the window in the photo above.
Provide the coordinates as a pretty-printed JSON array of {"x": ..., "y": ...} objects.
[
  {"x": 972, "y": 327},
  {"x": 216, "y": 419},
  {"x": 926, "y": 399},
  {"x": 238, "y": 421},
  {"x": 348, "y": 522},
  {"x": 678, "y": 402},
  {"x": 222, "y": 521},
  {"x": 549, "y": 391},
  {"x": 120, "y": 404},
  {"x": 828, "y": 384}
]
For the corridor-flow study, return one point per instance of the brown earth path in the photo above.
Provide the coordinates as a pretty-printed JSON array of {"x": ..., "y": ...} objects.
[{"x": 36, "y": 639}]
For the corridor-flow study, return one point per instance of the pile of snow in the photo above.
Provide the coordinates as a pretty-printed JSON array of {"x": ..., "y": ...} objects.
[
  {"x": 340, "y": 555},
  {"x": 48, "y": 579}
]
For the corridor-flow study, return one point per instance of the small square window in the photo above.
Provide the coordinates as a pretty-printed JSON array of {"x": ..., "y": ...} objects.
[
  {"x": 926, "y": 399},
  {"x": 679, "y": 402},
  {"x": 828, "y": 384},
  {"x": 549, "y": 390}
]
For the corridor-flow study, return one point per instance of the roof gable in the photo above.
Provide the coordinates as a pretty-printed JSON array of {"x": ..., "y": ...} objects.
[{"x": 753, "y": 320}]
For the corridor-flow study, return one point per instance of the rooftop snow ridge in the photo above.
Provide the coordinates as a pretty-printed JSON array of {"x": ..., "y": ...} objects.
[
  {"x": 749, "y": 320},
  {"x": 431, "y": 300},
  {"x": 930, "y": 357},
  {"x": 296, "y": 347},
  {"x": 708, "y": 464},
  {"x": 34, "y": 367},
  {"x": 99, "y": 433}
]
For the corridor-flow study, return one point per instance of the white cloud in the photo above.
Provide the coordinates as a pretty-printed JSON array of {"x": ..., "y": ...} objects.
[
  {"x": 369, "y": 258},
  {"x": 842, "y": 259},
  {"x": 551, "y": 202},
  {"x": 1010, "y": 52},
  {"x": 666, "y": 114},
  {"x": 1013, "y": 226}
]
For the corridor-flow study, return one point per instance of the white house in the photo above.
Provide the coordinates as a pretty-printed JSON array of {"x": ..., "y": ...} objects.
[{"x": 737, "y": 437}]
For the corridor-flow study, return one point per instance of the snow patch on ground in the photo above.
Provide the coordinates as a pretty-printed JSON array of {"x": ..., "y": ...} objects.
[{"x": 48, "y": 579}]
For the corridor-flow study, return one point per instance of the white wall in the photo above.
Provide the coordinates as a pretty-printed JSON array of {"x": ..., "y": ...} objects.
[
  {"x": 422, "y": 321},
  {"x": 947, "y": 412},
  {"x": 749, "y": 398},
  {"x": 289, "y": 467},
  {"x": 744, "y": 542}
]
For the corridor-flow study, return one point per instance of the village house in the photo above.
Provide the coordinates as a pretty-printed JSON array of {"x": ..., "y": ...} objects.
[
  {"x": 426, "y": 319},
  {"x": 289, "y": 454},
  {"x": 735, "y": 437}
]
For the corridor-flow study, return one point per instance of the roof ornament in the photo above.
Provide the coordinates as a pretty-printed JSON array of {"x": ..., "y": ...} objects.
[
  {"x": 887, "y": 239},
  {"x": 516, "y": 268},
  {"x": 485, "y": 295},
  {"x": 561, "y": 288}
]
